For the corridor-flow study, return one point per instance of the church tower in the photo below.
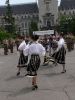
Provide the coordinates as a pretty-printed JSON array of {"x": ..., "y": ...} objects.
[{"x": 48, "y": 13}]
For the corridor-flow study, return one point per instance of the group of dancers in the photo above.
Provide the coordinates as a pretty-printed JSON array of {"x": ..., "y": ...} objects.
[{"x": 30, "y": 56}]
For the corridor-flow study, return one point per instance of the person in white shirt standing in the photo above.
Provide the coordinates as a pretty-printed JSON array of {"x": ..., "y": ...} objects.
[
  {"x": 34, "y": 51},
  {"x": 60, "y": 52},
  {"x": 22, "y": 59}
]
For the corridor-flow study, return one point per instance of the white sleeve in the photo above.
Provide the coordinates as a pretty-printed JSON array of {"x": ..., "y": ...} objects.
[
  {"x": 60, "y": 44},
  {"x": 42, "y": 50},
  {"x": 22, "y": 46},
  {"x": 58, "y": 48},
  {"x": 26, "y": 51}
]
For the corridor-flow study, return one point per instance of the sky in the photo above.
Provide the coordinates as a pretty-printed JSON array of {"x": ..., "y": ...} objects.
[{"x": 2, "y": 2}]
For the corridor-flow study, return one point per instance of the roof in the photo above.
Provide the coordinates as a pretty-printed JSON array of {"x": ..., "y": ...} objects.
[
  {"x": 67, "y": 4},
  {"x": 21, "y": 8}
]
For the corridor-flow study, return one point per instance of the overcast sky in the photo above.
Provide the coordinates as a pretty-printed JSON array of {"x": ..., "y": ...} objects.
[{"x": 2, "y": 2}]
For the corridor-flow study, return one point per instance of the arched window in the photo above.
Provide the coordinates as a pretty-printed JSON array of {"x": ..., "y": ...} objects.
[
  {"x": 69, "y": 12},
  {"x": 64, "y": 13},
  {"x": 47, "y": 6},
  {"x": 22, "y": 24},
  {"x": 73, "y": 12}
]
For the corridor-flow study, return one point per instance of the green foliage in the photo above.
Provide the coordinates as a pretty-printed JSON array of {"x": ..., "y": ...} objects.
[
  {"x": 4, "y": 35},
  {"x": 67, "y": 24},
  {"x": 9, "y": 19},
  {"x": 33, "y": 27}
]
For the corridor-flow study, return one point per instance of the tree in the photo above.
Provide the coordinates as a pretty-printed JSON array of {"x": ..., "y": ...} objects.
[
  {"x": 33, "y": 27},
  {"x": 63, "y": 24},
  {"x": 4, "y": 34},
  {"x": 9, "y": 19},
  {"x": 72, "y": 25},
  {"x": 67, "y": 24}
]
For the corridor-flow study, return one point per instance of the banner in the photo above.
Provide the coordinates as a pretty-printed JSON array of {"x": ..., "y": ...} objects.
[{"x": 47, "y": 32}]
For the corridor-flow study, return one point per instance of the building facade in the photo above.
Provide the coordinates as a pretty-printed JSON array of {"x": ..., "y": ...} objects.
[
  {"x": 67, "y": 7},
  {"x": 45, "y": 13},
  {"x": 23, "y": 14},
  {"x": 48, "y": 12}
]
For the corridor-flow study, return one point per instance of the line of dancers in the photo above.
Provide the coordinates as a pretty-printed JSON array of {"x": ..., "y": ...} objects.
[{"x": 31, "y": 53}]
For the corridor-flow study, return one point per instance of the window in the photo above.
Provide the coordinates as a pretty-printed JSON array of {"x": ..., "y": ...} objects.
[
  {"x": 21, "y": 17},
  {"x": 28, "y": 16},
  {"x": 25, "y": 24},
  {"x": 73, "y": 12},
  {"x": 33, "y": 16},
  {"x": 64, "y": 13},
  {"x": 69, "y": 13},
  {"x": 47, "y": 1},
  {"x": 22, "y": 24},
  {"x": 47, "y": 7},
  {"x": 17, "y": 18}
]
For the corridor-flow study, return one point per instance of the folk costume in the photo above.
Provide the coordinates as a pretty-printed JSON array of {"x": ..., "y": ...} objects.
[
  {"x": 34, "y": 51},
  {"x": 60, "y": 53},
  {"x": 22, "y": 59}
]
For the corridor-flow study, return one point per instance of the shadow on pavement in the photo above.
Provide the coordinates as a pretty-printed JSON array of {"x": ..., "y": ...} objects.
[
  {"x": 53, "y": 74},
  {"x": 14, "y": 78},
  {"x": 21, "y": 92}
]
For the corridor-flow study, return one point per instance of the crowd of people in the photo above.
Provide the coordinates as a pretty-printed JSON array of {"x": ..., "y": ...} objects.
[
  {"x": 8, "y": 45},
  {"x": 30, "y": 54},
  {"x": 70, "y": 41},
  {"x": 33, "y": 47}
]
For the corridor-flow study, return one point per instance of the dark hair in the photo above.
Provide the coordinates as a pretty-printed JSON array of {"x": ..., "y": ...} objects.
[
  {"x": 22, "y": 37},
  {"x": 61, "y": 34},
  {"x": 34, "y": 37}
]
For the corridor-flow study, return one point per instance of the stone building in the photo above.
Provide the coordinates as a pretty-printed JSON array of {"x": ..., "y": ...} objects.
[
  {"x": 23, "y": 14},
  {"x": 48, "y": 13},
  {"x": 67, "y": 7},
  {"x": 45, "y": 13}
]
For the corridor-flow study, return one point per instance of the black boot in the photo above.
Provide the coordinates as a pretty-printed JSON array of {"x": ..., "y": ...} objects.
[
  {"x": 35, "y": 87},
  {"x": 64, "y": 71},
  {"x": 18, "y": 73}
]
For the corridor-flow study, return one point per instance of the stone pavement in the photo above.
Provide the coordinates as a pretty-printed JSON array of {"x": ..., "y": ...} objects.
[{"x": 52, "y": 84}]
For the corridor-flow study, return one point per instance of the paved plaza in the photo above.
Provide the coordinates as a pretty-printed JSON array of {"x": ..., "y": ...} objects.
[{"x": 52, "y": 84}]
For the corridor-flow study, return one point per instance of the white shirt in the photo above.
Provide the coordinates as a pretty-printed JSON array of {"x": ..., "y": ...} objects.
[
  {"x": 22, "y": 46},
  {"x": 61, "y": 43},
  {"x": 34, "y": 48}
]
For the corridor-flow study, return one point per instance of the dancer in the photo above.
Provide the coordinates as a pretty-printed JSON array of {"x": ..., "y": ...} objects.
[
  {"x": 22, "y": 59},
  {"x": 60, "y": 52},
  {"x": 34, "y": 51}
]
